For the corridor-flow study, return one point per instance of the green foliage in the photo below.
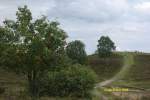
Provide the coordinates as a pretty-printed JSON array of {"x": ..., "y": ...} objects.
[
  {"x": 32, "y": 47},
  {"x": 105, "y": 46},
  {"x": 74, "y": 81},
  {"x": 76, "y": 51}
]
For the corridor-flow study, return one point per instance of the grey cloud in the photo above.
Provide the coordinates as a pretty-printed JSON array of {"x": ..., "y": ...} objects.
[
  {"x": 87, "y": 20},
  {"x": 92, "y": 11}
]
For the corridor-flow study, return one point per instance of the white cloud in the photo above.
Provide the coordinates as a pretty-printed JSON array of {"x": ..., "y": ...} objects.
[
  {"x": 125, "y": 21},
  {"x": 143, "y": 7}
]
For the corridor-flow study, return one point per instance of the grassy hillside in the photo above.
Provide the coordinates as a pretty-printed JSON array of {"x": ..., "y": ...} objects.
[
  {"x": 106, "y": 68},
  {"x": 134, "y": 75},
  {"x": 139, "y": 73},
  {"x": 14, "y": 85}
]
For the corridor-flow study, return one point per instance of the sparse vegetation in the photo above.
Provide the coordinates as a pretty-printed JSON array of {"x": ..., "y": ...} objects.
[
  {"x": 105, "y": 69},
  {"x": 139, "y": 71}
]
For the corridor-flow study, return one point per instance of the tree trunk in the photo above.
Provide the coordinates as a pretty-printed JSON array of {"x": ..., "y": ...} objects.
[{"x": 33, "y": 85}]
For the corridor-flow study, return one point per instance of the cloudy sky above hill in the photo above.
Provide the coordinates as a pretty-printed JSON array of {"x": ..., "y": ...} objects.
[{"x": 127, "y": 22}]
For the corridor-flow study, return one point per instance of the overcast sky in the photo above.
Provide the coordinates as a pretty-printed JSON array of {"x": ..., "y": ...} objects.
[{"x": 127, "y": 22}]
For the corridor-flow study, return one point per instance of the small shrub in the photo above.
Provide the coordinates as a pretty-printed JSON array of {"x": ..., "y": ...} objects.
[{"x": 75, "y": 81}]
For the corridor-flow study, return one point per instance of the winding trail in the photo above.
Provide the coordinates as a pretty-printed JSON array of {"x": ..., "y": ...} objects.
[{"x": 128, "y": 62}]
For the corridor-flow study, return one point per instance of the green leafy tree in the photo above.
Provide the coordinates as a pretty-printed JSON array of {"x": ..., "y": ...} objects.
[
  {"x": 76, "y": 51},
  {"x": 105, "y": 46},
  {"x": 33, "y": 47}
]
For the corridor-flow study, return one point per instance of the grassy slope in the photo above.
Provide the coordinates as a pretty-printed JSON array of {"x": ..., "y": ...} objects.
[
  {"x": 137, "y": 75},
  {"x": 140, "y": 71},
  {"x": 106, "y": 68},
  {"x": 127, "y": 63}
]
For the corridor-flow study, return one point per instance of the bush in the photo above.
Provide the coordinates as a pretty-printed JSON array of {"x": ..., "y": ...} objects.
[{"x": 75, "y": 81}]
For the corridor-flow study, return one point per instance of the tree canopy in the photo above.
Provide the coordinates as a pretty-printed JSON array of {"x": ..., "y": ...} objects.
[
  {"x": 33, "y": 46},
  {"x": 36, "y": 49},
  {"x": 105, "y": 46},
  {"x": 76, "y": 51}
]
